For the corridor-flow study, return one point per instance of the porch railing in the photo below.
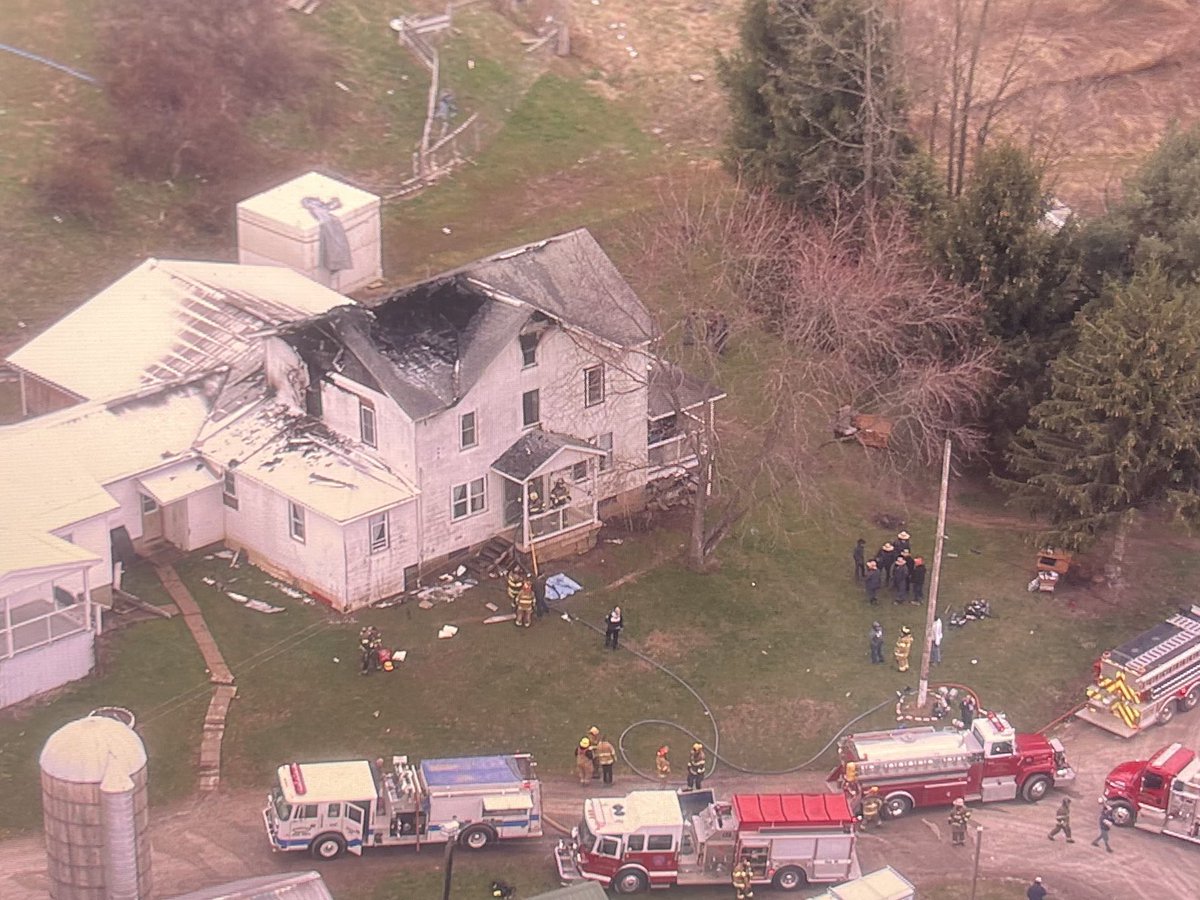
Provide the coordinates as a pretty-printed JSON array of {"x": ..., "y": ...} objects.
[{"x": 553, "y": 521}]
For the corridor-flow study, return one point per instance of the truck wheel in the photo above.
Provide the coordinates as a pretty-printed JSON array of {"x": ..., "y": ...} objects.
[
  {"x": 790, "y": 878},
  {"x": 477, "y": 837},
  {"x": 1190, "y": 699},
  {"x": 1124, "y": 815},
  {"x": 1035, "y": 788},
  {"x": 327, "y": 846},
  {"x": 1166, "y": 713},
  {"x": 897, "y": 806},
  {"x": 629, "y": 881}
]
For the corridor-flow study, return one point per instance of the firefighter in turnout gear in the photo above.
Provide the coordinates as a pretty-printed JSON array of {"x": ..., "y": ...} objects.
[
  {"x": 662, "y": 765},
  {"x": 959, "y": 817},
  {"x": 903, "y": 648},
  {"x": 872, "y": 808},
  {"x": 696, "y": 766},
  {"x": 595, "y": 737},
  {"x": 741, "y": 880},
  {"x": 514, "y": 581},
  {"x": 369, "y": 643},
  {"x": 605, "y": 755},
  {"x": 583, "y": 761},
  {"x": 525, "y": 603},
  {"x": 1062, "y": 820}
]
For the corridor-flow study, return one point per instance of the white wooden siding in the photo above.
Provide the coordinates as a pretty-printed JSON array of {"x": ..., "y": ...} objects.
[{"x": 47, "y": 667}]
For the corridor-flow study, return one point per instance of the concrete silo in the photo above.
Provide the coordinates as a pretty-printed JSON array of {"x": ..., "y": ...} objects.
[{"x": 96, "y": 813}]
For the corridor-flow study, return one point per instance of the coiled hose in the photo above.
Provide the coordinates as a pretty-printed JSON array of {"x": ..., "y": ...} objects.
[{"x": 714, "y": 748}]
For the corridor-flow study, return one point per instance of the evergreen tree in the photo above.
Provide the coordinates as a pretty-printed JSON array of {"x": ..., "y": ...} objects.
[
  {"x": 815, "y": 99},
  {"x": 1121, "y": 427},
  {"x": 995, "y": 238},
  {"x": 1157, "y": 221}
]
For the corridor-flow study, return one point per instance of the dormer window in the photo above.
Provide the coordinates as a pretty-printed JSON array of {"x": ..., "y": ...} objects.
[{"x": 366, "y": 423}]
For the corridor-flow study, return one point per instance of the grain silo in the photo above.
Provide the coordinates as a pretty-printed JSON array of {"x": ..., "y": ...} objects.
[{"x": 95, "y": 809}]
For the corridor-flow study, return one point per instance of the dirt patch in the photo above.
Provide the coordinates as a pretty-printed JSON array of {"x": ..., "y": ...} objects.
[{"x": 670, "y": 646}]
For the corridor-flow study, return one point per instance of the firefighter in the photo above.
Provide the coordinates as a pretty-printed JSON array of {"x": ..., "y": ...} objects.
[
  {"x": 903, "y": 648},
  {"x": 613, "y": 623},
  {"x": 873, "y": 582},
  {"x": 740, "y": 877},
  {"x": 916, "y": 580},
  {"x": 515, "y": 579},
  {"x": 876, "y": 642},
  {"x": 525, "y": 605},
  {"x": 595, "y": 737},
  {"x": 662, "y": 765},
  {"x": 967, "y": 707},
  {"x": 560, "y": 494},
  {"x": 583, "y": 760},
  {"x": 605, "y": 755},
  {"x": 369, "y": 643},
  {"x": 872, "y": 808},
  {"x": 1062, "y": 820},
  {"x": 959, "y": 817},
  {"x": 696, "y": 766}
]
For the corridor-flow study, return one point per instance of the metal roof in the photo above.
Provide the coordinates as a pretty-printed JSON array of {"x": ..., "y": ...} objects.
[
  {"x": 791, "y": 810},
  {"x": 881, "y": 746},
  {"x": 301, "y": 886},
  {"x": 166, "y": 320},
  {"x": 328, "y": 782},
  {"x": 639, "y": 809},
  {"x": 534, "y": 449},
  {"x": 281, "y": 204},
  {"x": 186, "y": 477},
  {"x": 30, "y": 552},
  {"x": 882, "y": 884}
]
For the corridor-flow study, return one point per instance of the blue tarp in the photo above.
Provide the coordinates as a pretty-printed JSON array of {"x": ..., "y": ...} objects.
[
  {"x": 560, "y": 586},
  {"x": 470, "y": 770}
]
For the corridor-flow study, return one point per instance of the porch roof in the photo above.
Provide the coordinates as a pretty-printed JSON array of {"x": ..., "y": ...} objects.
[
  {"x": 178, "y": 480},
  {"x": 26, "y": 551},
  {"x": 671, "y": 386},
  {"x": 534, "y": 449}
]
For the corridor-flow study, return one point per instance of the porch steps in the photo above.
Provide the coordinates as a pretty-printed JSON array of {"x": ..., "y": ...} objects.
[{"x": 492, "y": 558}]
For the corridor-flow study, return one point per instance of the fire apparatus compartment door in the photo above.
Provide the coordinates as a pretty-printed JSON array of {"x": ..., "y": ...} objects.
[
  {"x": 1003, "y": 787},
  {"x": 1183, "y": 812},
  {"x": 354, "y": 827},
  {"x": 944, "y": 791},
  {"x": 834, "y": 857},
  {"x": 509, "y": 814}
]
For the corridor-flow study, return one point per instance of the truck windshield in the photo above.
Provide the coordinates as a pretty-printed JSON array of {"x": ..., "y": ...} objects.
[
  {"x": 283, "y": 809},
  {"x": 587, "y": 840}
]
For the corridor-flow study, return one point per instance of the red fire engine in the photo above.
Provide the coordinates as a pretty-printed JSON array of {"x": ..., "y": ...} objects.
[
  {"x": 915, "y": 767},
  {"x": 1145, "y": 680},
  {"x": 1160, "y": 794},
  {"x": 656, "y": 839}
]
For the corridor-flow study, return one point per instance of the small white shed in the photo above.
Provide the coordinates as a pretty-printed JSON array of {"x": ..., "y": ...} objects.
[{"x": 323, "y": 228}]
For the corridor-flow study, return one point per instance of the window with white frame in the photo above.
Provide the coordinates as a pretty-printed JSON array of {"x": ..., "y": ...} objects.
[
  {"x": 296, "y": 521},
  {"x": 229, "y": 489},
  {"x": 579, "y": 471},
  {"x": 149, "y": 504},
  {"x": 531, "y": 412},
  {"x": 468, "y": 499},
  {"x": 377, "y": 527},
  {"x": 604, "y": 442},
  {"x": 468, "y": 436},
  {"x": 593, "y": 385},
  {"x": 366, "y": 424}
]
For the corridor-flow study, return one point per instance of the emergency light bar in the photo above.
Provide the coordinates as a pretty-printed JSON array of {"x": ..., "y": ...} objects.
[{"x": 297, "y": 779}]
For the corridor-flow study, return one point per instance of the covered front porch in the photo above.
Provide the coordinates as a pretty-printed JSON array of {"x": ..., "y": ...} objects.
[{"x": 550, "y": 497}]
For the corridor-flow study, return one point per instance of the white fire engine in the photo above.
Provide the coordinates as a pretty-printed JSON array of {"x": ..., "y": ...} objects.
[
  {"x": 1145, "y": 680},
  {"x": 1160, "y": 794},
  {"x": 916, "y": 767},
  {"x": 327, "y": 808},
  {"x": 656, "y": 839}
]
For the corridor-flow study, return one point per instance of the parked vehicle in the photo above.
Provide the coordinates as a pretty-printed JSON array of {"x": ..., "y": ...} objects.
[
  {"x": 925, "y": 766},
  {"x": 1145, "y": 681},
  {"x": 1160, "y": 794},
  {"x": 657, "y": 839},
  {"x": 882, "y": 884},
  {"x": 331, "y": 807}
]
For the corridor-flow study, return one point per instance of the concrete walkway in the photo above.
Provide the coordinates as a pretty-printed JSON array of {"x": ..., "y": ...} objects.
[{"x": 219, "y": 674}]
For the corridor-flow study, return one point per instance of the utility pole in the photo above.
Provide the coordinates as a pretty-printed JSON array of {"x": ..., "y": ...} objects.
[
  {"x": 978, "y": 848},
  {"x": 931, "y": 612}
]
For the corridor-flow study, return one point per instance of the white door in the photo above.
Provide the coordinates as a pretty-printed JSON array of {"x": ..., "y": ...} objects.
[
  {"x": 152, "y": 526},
  {"x": 354, "y": 828}
]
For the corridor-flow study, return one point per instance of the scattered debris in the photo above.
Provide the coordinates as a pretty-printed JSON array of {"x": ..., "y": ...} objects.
[
  {"x": 695, "y": 78},
  {"x": 389, "y": 602},
  {"x": 425, "y": 604},
  {"x": 447, "y": 592},
  {"x": 492, "y": 620},
  {"x": 287, "y": 589},
  {"x": 448, "y": 631},
  {"x": 336, "y": 660},
  {"x": 445, "y": 229},
  {"x": 614, "y": 541},
  {"x": 494, "y": 608},
  {"x": 256, "y": 605},
  {"x": 460, "y": 571},
  {"x": 209, "y": 581},
  {"x": 343, "y": 87},
  {"x": 952, "y": 555},
  {"x": 234, "y": 561},
  {"x": 400, "y": 656},
  {"x": 221, "y": 554}
]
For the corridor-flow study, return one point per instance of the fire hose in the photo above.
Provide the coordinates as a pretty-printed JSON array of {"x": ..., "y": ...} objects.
[{"x": 714, "y": 748}]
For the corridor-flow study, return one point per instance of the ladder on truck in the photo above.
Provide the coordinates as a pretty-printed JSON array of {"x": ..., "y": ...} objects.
[{"x": 1189, "y": 632}]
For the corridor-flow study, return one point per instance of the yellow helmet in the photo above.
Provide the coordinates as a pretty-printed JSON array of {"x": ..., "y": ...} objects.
[
  {"x": 593, "y": 731},
  {"x": 697, "y": 746},
  {"x": 585, "y": 743}
]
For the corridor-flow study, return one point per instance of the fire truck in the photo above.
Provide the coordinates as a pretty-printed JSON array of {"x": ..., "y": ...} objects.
[
  {"x": 1146, "y": 680},
  {"x": 330, "y": 807},
  {"x": 657, "y": 839},
  {"x": 1160, "y": 794},
  {"x": 924, "y": 766}
]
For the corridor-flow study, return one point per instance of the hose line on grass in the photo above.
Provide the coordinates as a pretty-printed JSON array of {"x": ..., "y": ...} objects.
[{"x": 714, "y": 748}]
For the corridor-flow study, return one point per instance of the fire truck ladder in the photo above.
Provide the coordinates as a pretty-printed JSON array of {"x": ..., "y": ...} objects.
[{"x": 1189, "y": 631}]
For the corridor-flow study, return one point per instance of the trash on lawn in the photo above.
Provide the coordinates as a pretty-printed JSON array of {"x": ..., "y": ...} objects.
[
  {"x": 614, "y": 541},
  {"x": 494, "y": 608},
  {"x": 287, "y": 589},
  {"x": 336, "y": 660},
  {"x": 221, "y": 554},
  {"x": 507, "y": 617},
  {"x": 233, "y": 562},
  {"x": 447, "y": 592},
  {"x": 208, "y": 580},
  {"x": 460, "y": 571},
  {"x": 388, "y": 602},
  {"x": 559, "y": 587},
  {"x": 233, "y": 595},
  {"x": 256, "y": 605},
  {"x": 448, "y": 631},
  {"x": 400, "y": 656},
  {"x": 375, "y": 714}
]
